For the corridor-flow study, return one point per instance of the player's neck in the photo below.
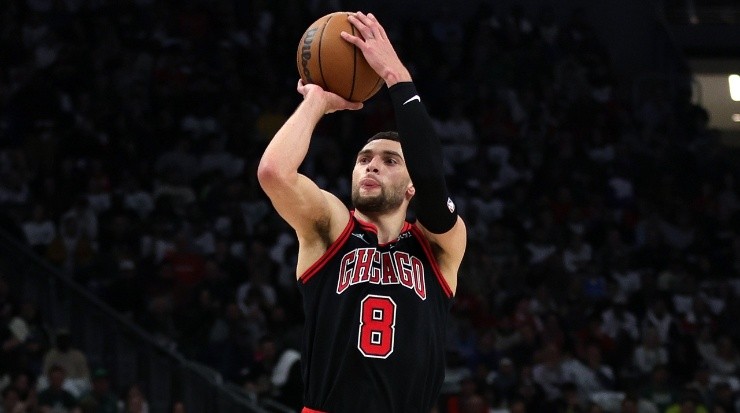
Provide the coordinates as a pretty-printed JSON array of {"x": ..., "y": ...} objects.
[{"x": 388, "y": 224}]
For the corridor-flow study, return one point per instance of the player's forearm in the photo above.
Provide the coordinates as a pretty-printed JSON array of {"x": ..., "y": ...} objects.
[
  {"x": 288, "y": 148},
  {"x": 422, "y": 151}
]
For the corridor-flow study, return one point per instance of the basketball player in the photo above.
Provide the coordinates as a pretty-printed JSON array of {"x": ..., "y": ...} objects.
[{"x": 376, "y": 289}]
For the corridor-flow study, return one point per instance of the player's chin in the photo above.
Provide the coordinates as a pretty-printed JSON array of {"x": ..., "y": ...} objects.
[{"x": 367, "y": 202}]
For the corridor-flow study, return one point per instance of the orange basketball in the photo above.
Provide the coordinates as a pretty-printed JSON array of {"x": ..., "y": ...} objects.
[{"x": 327, "y": 60}]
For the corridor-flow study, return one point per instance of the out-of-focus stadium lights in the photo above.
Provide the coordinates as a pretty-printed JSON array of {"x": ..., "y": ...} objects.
[
  {"x": 736, "y": 117},
  {"x": 735, "y": 88}
]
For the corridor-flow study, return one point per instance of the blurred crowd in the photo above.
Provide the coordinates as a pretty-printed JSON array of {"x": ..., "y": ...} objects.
[{"x": 603, "y": 259}]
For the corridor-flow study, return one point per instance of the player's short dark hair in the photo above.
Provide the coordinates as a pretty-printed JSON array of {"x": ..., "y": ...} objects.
[{"x": 390, "y": 135}]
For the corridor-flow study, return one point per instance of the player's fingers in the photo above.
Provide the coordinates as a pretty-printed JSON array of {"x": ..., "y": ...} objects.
[
  {"x": 377, "y": 26},
  {"x": 364, "y": 25},
  {"x": 357, "y": 41},
  {"x": 362, "y": 18},
  {"x": 359, "y": 24}
]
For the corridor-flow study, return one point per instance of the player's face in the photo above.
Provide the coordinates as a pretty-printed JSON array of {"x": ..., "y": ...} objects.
[{"x": 380, "y": 181}]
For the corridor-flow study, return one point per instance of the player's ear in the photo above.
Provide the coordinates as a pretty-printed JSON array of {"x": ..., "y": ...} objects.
[{"x": 410, "y": 191}]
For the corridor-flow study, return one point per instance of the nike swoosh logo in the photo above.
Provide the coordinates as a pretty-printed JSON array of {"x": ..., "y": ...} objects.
[
  {"x": 360, "y": 236},
  {"x": 412, "y": 98}
]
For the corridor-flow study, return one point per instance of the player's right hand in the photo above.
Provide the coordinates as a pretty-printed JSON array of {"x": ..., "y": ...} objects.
[{"x": 331, "y": 101}]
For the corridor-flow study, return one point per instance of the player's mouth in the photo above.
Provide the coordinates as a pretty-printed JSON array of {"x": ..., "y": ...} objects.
[{"x": 369, "y": 183}]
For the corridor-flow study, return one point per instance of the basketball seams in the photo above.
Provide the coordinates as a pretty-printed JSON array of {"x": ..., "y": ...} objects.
[
  {"x": 321, "y": 40},
  {"x": 354, "y": 65},
  {"x": 374, "y": 89},
  {"x": 320, "y": 58}
]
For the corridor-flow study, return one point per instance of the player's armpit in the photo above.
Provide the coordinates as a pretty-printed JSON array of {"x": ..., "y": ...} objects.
[
  {"x": 449, "y": 249},
  {"x": 312, "y": 212}
]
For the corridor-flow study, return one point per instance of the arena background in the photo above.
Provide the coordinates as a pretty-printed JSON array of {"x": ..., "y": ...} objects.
[{"x": 591, "y": 146}]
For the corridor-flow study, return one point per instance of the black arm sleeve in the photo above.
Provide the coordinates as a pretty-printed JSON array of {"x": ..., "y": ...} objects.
[{"x": 422, "y": 151}]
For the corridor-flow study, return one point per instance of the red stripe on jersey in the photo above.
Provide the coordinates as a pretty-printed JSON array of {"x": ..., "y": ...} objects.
[
  {"x": 333, "y": 248},
  {"x": 430, "y": 255},
  {"x": 367, "y": 226},
  {"x": 406, "y": 226},
  {"x": 309, "y": 410}
]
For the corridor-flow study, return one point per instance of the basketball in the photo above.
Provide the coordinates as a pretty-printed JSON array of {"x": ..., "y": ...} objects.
[{"x": 327, "y": 60}]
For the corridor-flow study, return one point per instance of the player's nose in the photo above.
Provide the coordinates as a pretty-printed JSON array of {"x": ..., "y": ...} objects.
[{"x": 373, "y": 165}]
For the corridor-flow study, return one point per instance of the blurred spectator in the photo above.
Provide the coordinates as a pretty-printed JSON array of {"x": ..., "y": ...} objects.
[
  {"x": 650, "y": 353},
  {"x": 124, "y": 293},
  {"x": 55, "y": 398},
  {"x": 178, "y": 407},
  {"x": 618, "y": 322},
  {"x": 63, "y": 248},
  {"x": 135, "y": 197},
  {"x": 256, "y": 377},
  {"x": 217, "y": 158},
  {"x": 531, "y": 395},
  {"x": 589, "y": 375},
  {"x": 84, "y": 218},
  {"x": 548, "y": 372},
  {"x": 468, "y": 399},
  {"x": 11, "y": 402},
  {"x": 659, "y": 389},
  {"x": 29, "y": 331},
  {"x": 701, "y": 384},
  {"x": 633, "y": 404},
  {"x": 724, "y": 361},
  {"x": 527, "y": 344},
  {"x": 570, "y": 402},
  {"x": 70, "y": 362},
  {"x": 188, "y": 269},
  {"x": 504, "y": 380},
  {"x": 688, "y": 403},
  {"x": 577, "y": 253},
  {"x": 24, "y": 385},
  {"x": 100, "y": 399},
  {"x": 724, "y": 398},
  {"x": 39, "y": 229},
  {"x": 177, "y": 163},
  {"x": 286, "y": 379},
  {"x": 659, "y": 319},
  {"x": 133, "y": 401}
]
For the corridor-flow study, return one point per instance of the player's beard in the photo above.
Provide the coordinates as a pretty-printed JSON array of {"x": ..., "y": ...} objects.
[{"x": 383, "y": 202}]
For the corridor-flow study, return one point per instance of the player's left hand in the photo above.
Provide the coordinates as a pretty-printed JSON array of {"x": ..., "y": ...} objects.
[{"x": 377, "y": 48}]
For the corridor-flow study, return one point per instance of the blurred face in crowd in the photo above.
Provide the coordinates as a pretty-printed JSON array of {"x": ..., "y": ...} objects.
[
  {"x": 10, "y": 399},
  {"x": 629, "y": 406},
  {"x": 56, "y": 378}
]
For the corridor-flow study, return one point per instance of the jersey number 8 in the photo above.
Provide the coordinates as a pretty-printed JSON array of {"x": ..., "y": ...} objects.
[{"x": 377, "y": 326}]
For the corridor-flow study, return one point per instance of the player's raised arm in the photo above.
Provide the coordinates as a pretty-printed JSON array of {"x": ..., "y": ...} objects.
[
  {"x": 435, "y": 211},
  {"x": 306, "y": 208}
]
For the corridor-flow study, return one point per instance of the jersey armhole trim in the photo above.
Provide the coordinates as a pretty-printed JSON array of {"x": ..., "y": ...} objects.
[
  {"x": 330, "y": 252},
  {"x": 430, "y": 255}
]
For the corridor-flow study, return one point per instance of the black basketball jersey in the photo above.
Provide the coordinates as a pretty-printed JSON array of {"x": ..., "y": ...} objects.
[{"x": 375, "y": 327}]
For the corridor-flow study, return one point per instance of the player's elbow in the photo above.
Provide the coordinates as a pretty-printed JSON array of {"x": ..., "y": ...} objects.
[
  {"x": 270, "y": 173},
  {"x": 267, "y": 172}
]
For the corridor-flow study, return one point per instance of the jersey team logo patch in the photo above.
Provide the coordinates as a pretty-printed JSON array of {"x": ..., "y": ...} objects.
[{"x": 450, "y": 205}]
